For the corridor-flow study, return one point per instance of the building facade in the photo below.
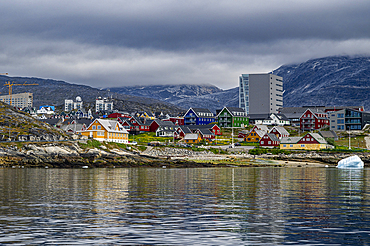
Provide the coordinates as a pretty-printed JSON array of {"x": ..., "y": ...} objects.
[
  {"x": 70, "y": 105},
  {"x": 198, "y": 116},
  {"x": 21, "y": 100},
  {"x": 103, "y": 104},
  {"x": 313, "y": 120},
  {"x": 348, "y": 119},
  {"x": 232, "y": 117},
  {"x": 260, "y": 93}
]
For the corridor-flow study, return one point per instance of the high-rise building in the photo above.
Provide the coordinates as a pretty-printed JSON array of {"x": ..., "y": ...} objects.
[
  {"x": 21, "y": 100},
  {"x": 260, "y": 93}
]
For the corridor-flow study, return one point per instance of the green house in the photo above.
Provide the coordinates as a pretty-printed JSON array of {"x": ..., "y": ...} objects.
[{"x": 232, "y": 117}]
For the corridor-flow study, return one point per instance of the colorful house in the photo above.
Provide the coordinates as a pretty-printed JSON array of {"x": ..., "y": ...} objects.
[
  {"x": 311, "y": 141},
  {"x": 269, "y": 140},
  {"x": 106, "y": 130},
  {"x": 232, "y": 117},
  {"x": 192, "y": 138},
  {"x": 198, "y": 116},
  {"x": 313, "y": 120},
  {"x": 255, "y": 135}
]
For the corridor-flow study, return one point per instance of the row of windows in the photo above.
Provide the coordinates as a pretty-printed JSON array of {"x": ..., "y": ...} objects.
[{"x": 291, "y": 145}]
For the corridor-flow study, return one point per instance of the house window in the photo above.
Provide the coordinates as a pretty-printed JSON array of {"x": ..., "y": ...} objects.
[
  {"x": 284, "y": 145},
  {"x": 291, "y": 145},
  {"x": 99, "y": 127},
  {"x": 302, "y": 145},
  {"x": 93, "y": 127},
  {"x": 261, "y": 142}
]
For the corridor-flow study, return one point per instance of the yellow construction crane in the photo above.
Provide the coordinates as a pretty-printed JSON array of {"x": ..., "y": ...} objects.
[{"x": 10, "y": 85}]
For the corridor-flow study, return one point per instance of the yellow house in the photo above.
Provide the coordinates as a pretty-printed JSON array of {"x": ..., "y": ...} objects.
[
  {"x": 106, "y": 130},
  {"x": 192, "y": 138},
  {"x": 254, "y": 135},
  {"x": 310, "y": 141}
]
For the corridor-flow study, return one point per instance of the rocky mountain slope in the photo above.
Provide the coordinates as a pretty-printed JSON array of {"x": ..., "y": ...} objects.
[
  {"x": 341, "y": 81},
  {"x": 54, "y": 92},
  {"x": 17, "y": 125},
  {"x": 185, "y": 96}
]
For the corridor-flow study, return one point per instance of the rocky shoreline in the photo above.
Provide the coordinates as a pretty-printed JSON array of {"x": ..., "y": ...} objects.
[{"x": 71, "y": 155}]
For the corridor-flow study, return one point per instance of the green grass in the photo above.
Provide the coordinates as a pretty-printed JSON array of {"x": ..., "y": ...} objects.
[
  {"x": 90, "y": 144},
  {"x": 145, "y": 138}
]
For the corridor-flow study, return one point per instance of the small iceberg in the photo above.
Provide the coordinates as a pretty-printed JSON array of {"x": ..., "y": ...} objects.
[{"x": 351, "y": 162}]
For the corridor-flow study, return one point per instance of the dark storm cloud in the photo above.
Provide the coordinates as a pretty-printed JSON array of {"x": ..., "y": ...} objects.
[{"x": 174, "y": 41}]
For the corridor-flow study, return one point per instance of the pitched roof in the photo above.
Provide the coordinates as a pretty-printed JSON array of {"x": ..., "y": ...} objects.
[
  {"x": 110, "y": 125},
  {"x": 290, "y": 140},
  {"x": 280, "y": 129},
  {"x": 318, "y": 137},
  {"x": 184, "y": 129},
  {"x": 191, "y": 136},
  {"x": 328, "y": 134},
  {"x": 272, "y": 136}
]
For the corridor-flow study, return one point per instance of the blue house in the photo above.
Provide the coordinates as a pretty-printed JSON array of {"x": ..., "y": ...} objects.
[{"x": 198, "y": 116}]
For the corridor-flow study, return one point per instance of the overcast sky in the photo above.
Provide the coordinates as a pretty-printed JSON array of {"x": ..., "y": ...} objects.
[{"x": 118, "y": 43}]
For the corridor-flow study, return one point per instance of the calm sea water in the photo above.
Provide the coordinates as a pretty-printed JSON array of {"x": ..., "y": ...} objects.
[{"x": 213, "y": 206}]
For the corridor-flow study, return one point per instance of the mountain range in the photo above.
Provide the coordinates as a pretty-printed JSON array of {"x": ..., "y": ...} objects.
[
  {"x": 329, "y": 81},
  {"x": 54, "y": 92}
]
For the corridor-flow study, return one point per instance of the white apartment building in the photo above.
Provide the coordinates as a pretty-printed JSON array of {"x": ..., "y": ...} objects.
[
  {"x": 70, "y": 105},
  {"x": 260, "y": 93},
  {"x": 103, "y": 104},
  {"x": 21, "y": 100}
]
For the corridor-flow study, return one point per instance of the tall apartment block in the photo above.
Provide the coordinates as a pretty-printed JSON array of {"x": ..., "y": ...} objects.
[
  {"x": 103, "y": 104},
  {"x": 70, "y": 105},
  {"x": 260, "y": 93},
  {"x": 21, "y": 100}
]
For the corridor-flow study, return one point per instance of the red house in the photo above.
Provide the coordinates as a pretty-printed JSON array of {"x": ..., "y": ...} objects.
[
  {"x": 178, "y": 121},
  {"x": 269, "y": 140},
  {"x": 313, "y": 120}
]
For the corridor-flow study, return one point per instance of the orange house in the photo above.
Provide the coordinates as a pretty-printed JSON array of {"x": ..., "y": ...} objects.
[
  {"x": 106, "y": 130},
  {"x": 254, "y": 136},
  {"x": 192, "y": 138}
]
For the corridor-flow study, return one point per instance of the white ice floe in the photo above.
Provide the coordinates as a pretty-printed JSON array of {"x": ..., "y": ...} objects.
[{"x": 351, "y": 162}]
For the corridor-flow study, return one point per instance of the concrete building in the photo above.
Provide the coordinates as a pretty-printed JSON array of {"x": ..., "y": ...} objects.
[
  {"x": 348, "y": 119},
  {"x": 260, "y": 93},
  {"x": 21, "y": 100},
  {"x": 103, "y": 104},
  {"x": 70, "y": 105}
]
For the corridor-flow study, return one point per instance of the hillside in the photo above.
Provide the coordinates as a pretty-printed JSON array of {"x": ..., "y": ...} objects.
[
  {"x": 54, "y": 92},
  {"x": 327, "y": 81},
  {"x": 185, "y": 96},
  {"x": 18, "y": 125}
]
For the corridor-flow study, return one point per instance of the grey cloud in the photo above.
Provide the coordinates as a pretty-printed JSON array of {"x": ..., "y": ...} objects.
[{"x": 146, "y": 42}]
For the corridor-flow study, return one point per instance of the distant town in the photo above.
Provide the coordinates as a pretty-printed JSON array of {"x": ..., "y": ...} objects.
[{"x": 261, "y": 119}]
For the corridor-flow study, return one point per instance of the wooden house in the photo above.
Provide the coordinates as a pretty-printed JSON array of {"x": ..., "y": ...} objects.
[
  {"x": 313, "y": 120},
  {"x": 106, "y": 130},
  {"x": 192, "y": 138},
  {"x": 310, "y": 141},
  {"x": 198, "y": 116},
  {"x": 255, "y": 135},
  {"x": 269, "y": 140}
]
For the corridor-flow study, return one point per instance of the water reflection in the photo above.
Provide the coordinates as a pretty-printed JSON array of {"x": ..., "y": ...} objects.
[{"x": 215, "y": 206}]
